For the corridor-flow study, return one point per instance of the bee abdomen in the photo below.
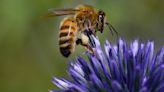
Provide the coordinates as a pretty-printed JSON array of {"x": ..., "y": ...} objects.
[
  {"x": 66, "y": 51},
  {"x": 67, "y": 36},
  {"x": 67, "y": 45}
]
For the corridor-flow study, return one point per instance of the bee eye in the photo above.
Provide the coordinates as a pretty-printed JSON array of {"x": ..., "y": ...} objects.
[{"x": 100, "y": 17}]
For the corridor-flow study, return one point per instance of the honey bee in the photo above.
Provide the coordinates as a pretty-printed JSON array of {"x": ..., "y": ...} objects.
[{"x": 83, "y": 19}]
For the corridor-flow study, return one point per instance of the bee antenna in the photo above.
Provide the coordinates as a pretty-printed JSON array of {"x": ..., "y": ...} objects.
[{"x": 111, "y": 28}]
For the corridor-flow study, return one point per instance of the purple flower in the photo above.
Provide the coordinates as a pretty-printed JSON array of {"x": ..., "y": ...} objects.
[{"x": 117, "y": 68}]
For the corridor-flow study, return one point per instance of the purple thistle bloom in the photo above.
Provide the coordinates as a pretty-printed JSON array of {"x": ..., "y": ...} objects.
[{"x": 119, "y": 68}]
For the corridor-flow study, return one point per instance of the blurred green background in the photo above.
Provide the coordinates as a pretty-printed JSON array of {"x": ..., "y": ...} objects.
[{"x": 29, "y": 54}]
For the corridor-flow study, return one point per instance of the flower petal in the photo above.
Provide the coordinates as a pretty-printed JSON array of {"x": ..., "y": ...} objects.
[{"x": 121, "y": 68}]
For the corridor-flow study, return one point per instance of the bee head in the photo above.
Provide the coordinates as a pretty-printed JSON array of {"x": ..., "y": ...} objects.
[{"x": 101, "y": 20}]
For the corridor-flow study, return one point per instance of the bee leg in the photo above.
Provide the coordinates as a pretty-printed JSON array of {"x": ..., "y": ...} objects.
[
  {"x": 90, "y": 28},
  {"x": 89, "y": 48},
  {"x": 89, "y": 35},
  {"x": 87, "y": 24},
  {"x": 92, "y": 32}
]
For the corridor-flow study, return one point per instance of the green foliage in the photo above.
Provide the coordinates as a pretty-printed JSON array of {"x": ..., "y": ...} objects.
[{"x": 29, "y": 54}]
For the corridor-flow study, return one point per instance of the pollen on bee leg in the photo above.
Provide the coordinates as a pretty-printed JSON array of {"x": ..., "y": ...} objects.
[
  {"x": 90, "y": 50},
  {"x": 85, "y": 39}
]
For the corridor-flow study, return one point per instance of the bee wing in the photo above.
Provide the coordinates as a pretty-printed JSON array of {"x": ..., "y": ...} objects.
[
  {"x": 59, "y": 12},
  {"x": 63, "y": 9}
]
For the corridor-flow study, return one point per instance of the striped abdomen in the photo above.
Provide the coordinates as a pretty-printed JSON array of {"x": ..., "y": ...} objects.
[{"x": 67, "y": 36}]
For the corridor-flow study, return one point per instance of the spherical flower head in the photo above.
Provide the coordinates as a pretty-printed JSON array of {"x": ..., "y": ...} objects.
[{"x": 116, "y": 68}]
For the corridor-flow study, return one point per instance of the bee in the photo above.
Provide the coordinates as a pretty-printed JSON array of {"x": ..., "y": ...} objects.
[{"x": 83, "y": 19}]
